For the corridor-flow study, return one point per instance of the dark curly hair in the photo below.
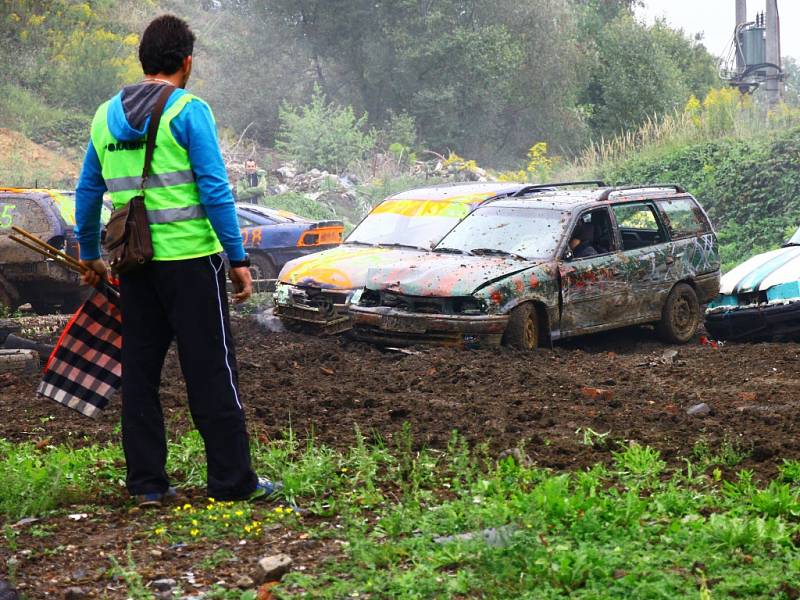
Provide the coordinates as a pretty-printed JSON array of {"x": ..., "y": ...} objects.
[{"x": 165, "y": 43}]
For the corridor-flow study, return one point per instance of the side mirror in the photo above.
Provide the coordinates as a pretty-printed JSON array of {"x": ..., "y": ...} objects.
[{"x": 568, "y": 254}]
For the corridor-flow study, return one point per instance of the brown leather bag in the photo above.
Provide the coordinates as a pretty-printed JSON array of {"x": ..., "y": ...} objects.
[{"x": 128, "y": 240}]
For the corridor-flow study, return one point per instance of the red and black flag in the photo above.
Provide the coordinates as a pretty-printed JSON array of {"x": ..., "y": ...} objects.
[{"x": 85, "y": 369}]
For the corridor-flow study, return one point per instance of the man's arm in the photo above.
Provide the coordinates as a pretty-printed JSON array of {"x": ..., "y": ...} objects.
[
  {"x": 195, "y": 130},
  {"x": 89, "y": 204}
]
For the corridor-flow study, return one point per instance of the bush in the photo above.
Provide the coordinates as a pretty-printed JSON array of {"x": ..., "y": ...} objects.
[
  {"x": 24, "y": 111},
  {"x": 750, "y": 187},
  {"x": 71, "y": 131},
  {"x": 323, "y": 135},
  {"x": 300, "y": 205}
]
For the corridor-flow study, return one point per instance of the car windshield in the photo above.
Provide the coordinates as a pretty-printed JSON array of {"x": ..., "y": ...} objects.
[
  {"x": 526, "y": 232},
  {"x": 412, "y": 223},
  {"x": 795, "y": 239}
]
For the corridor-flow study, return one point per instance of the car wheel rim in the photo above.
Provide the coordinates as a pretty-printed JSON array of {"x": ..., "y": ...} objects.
[{"x": 682, "y": 315}]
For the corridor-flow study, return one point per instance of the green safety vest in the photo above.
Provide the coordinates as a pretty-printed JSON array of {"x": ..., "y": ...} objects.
[{"x": 178, "y": 223}]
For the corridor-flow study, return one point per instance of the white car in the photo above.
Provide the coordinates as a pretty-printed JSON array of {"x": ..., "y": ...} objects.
[{"x": 759, "y": 299}]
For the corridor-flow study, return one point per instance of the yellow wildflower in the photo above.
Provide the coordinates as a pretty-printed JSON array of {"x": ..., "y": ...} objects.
[
  {"x": 194, "y": 532},
  {"x": 160, "y": 530},
  {"x": 194, "y": 522},
  {"x": 187, "y": 506},
  {"x": 239, "y": 513}
]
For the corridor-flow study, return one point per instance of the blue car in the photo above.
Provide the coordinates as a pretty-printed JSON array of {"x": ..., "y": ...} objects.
[{"x": 274, "y": 237}]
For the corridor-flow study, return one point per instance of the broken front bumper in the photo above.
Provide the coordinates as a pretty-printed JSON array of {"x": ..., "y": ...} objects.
[
  {"x": 389, "y": 326},
  {"x": 755, "y": 322},
  {"x": 323, "y": 311}
]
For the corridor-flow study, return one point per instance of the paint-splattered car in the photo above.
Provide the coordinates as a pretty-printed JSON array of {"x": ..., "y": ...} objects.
[
  {"x": 759, "y": 299},
  {"x": 314, "y": 291},
  {"x": 550, "y": 265},
  {"x": 273, "y": 237},
  {"x": 25, "y": 276}
]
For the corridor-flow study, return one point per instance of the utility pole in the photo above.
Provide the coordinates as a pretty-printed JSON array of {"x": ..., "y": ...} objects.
[
  {"x": 774, "y": 86},
  {"x": 741, "y": 19}
]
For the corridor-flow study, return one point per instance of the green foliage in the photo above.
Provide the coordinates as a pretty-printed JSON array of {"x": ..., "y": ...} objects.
[
  {"x": 750, "y": 187},
  {"x": 71, "y": 131},
  {"x": 300, "y": 205},
  {"x": 37, "y": 480},
  {"x": 635, "y": 77},
  {"x": 418, "y": 523},
  {"x": 74, "y": 54},
  {"x": 323, "y": 135}
]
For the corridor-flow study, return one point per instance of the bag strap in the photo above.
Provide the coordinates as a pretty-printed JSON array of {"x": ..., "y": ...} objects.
[{"x": 152, "y": 131}]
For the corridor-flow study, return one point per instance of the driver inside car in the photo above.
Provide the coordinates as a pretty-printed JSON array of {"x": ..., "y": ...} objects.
[{"x": 581, "y": 241}]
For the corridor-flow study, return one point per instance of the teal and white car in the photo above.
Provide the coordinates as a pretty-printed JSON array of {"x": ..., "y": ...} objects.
[{"x": 759, "y": 299}]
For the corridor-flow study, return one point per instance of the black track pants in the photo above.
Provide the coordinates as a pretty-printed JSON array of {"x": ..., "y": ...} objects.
[{"x": 185, "y": 300}]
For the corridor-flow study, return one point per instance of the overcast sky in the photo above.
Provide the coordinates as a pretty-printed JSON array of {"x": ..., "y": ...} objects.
[{"x": 715, "y": 19}]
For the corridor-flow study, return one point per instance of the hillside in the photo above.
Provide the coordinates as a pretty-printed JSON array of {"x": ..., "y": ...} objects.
[
  {"x": 24, "y": 163},
  {"x": 750, "y": 187}
]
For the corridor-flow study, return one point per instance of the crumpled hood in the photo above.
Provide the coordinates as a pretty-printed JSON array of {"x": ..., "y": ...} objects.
[
  {"x": 342, "y": 268},
  {"x": 129, "y": 111},
  {"x": 443, "y": 275}
]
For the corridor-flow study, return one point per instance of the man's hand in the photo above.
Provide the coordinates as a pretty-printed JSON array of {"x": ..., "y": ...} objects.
[
  {"x": 96, "y": 272},
  {"x": 242, "y": 283}
]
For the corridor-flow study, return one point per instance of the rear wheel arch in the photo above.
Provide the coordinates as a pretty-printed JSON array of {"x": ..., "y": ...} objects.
[{"x": 680, "y": 314}]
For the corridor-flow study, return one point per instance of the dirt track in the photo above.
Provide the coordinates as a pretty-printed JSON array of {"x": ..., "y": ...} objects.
[{"x": 504, "y": 397}]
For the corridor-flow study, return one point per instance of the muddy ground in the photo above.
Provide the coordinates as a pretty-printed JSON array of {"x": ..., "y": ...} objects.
[{"x": 625, "y": 383}]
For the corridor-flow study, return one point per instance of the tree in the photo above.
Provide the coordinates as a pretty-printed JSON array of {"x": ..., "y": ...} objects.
[{"x": 641, "y": 71}]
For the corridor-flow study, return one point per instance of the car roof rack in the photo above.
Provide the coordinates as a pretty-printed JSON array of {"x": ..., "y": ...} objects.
[
  {"x": 604, "y": 195},
  {"x": 543, "y": 187}
]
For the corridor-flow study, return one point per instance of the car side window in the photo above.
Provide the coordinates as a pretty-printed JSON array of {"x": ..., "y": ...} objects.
[
  {"x": 683, "y": 218},
  {"x": 592, "y": 235},
  {"x": 245, "y": 222},
  {"x": 638, "y": 225}
]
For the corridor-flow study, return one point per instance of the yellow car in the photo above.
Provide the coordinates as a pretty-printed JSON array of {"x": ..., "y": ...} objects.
[{"x": 314, "y": 291}]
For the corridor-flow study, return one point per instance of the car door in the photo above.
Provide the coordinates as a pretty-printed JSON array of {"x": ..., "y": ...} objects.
[
  {"x": 645, "y": 261},
  {"x": 594, "y": 291}
]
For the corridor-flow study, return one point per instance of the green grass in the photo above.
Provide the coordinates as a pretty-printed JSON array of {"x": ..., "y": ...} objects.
[{"x": 633, "y": 528}]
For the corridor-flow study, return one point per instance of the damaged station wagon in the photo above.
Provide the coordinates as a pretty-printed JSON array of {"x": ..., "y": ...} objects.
[
  {"x": 313, "y": 292},
  {"x": 551, "y": 264}
]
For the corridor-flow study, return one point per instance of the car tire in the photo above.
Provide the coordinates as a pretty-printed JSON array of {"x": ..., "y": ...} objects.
[
  {"x": 261, "y": 267},
  {"x": 680, "y": 315},
  {"x": 522, "y": 331}
]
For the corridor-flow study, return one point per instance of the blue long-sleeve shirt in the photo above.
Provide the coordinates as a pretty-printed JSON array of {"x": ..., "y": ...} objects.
[{"x": 194, "y": 129}]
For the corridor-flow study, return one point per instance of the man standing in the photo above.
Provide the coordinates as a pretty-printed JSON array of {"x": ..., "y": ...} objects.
[
  {"x": 253, "y": 186},
  {"x": 181, "y": 293}
]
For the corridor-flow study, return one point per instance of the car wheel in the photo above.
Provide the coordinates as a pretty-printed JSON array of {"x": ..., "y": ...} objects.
[
  {"x": 261, "y": 267},
  {"x": 522, "y": 331},
  {"x": 680, "y": 316}
]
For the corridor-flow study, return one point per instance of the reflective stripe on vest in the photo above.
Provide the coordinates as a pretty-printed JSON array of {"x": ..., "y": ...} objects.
[
  {"x": 123, "y": 184},
  {"x": 173, "y": 215},
  {"x": 178, "y": 224}
]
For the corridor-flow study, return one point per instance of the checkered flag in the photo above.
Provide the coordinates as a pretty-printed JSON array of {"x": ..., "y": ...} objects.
[{"x": 85, "y": 369}]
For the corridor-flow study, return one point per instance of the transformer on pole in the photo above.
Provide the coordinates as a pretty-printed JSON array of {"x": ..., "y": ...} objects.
[{"x": 753, "y": 58}]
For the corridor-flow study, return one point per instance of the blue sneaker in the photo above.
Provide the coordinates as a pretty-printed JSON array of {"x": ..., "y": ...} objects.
[
  {"x": 264, "y": 489},
  {"x": 155, "y": 499}
]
